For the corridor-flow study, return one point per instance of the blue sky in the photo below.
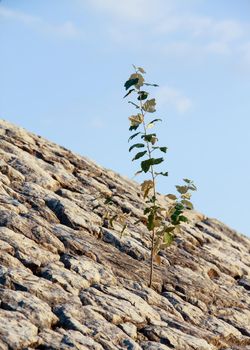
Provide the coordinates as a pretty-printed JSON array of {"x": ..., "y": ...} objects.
[{"x": 64, "y": 63}]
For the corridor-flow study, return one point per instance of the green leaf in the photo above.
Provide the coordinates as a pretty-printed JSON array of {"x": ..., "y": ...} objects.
[
  {"x": 161, "y": 173},
  {"x": 146, "y": 211},
  {"x": 139, "y": 155},
  {"x": 134, "y": 104},
  {"x": 149, "y": 106},
  {"x": 131, "y": 82},
  {"x": 187, "y": 181},
  {"x": 156, "y": 120},
  {"x": 134, "y": 135},
  {"x": 157, "y": 160},
  {"x": 138, "y": 172},
  {"x": 163, "y": 149},
  {"x": 171, "y": 196},
  {"x": 146, "y": 164},
  {"x": 179, "y": 207},
  {"x": 192, "y": 187},
  {"x": 168, "y": 238},
  {"x": 151, "y": 124},
  {"x": 134, "y": 127},
  {"x": 183, "y": 218},
  {"x": 109, "y": 200},
  {"x": 169, "y": 229},
  {"x": 151, "y": 84},
  {"x": 182, "y": 189},
  {"x": 150, "y": 223},
  {"x": 147, "y": 137},
  {"x": 136, "y": 145},
  {"x": 140, "y": 79},
  {"x": 143, "y": 95},
  {"x": 129, "y": 93},
  {"x": 187, "y": 204},
  {"x": 150, "y": 138}
]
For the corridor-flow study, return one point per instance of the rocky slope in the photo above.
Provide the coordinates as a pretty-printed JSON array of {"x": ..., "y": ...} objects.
[{"x": 69, "y": 282}]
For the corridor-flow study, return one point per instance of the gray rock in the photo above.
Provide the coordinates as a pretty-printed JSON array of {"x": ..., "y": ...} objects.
[
  {"x": 35, "y": 310},
  {"x": 130, "y": 329},
  {"x": 16, "y": 331},
  {"x": 68, "y": 282},
  {"x": 26, "y": 250},
  {"x": 72, "y": 340}
]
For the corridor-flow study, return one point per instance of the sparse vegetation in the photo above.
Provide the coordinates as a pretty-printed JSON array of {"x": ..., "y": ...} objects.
[{"x": 161, "y": 222}]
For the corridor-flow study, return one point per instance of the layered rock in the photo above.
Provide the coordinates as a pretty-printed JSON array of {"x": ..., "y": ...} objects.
[{"x": 67, "y": 281}]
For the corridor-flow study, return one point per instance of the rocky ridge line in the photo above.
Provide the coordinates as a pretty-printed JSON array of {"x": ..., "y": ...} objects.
[{"x": 69, "y": 282}]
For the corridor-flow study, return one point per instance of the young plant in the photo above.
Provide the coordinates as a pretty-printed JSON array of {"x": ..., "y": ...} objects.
[
  {"x": 161, "y": 222},
  {"x": 111, "y": 213}
]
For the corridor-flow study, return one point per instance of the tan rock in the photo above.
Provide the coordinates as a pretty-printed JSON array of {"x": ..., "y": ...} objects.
[{"x": 68, "y": 282}]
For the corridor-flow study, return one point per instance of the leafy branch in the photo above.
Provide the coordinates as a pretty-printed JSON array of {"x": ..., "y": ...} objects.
[{"x": 161, "y": 222}]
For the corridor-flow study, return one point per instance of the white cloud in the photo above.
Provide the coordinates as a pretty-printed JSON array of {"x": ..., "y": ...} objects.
[
  {"x": 203, "y": 27},
  {"x": 218, "y": 47},
  {"x": 167, "y": 95},
  {"x": 17, "y": 16},
  {"x": 166, "y": 16},
  {"x": 228, "y": 30},
  {"x": 132, "y": 10},
  {"x": 176, "y": 31},
  {"x": 245, "y": 53},
  {"x": 64, "y": 30},
  {"x": 179, "y": 48},
  {"x": 202, "y": 35}
]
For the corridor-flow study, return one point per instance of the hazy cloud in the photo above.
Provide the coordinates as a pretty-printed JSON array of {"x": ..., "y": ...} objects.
[
  {"x": 66, "y": 29},
  {"x": 132, "y": 10},
  {"x": 218, "y": 47},
  {"x": 167, "y": 21},
  {"x": 173, "y": 97},
  {"x": 245, "y": 53},
  {"x": 202, "y": 35},
  {"x": 203, "y": 27}
]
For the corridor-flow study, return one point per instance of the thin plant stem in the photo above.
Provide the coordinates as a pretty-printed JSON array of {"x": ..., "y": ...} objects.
[{"x": 149, "y": 151}]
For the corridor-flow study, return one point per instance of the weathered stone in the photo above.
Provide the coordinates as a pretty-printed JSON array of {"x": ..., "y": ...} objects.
[
  {"x": 68, "y": 282},
  {"x": 92, "y": 271},
  {"x": 130, "y": 329},
  {"x": 70, "y": 340},
  {"x": 21, "y": 279},
  {"x": 89, "y": 321},
  {"x": 35, "y": 310},
  {"x": 68, "y": 279},
  {"x": 221, "y": 327},
  {"x": 26, "y": 250},
  {"x": 176, "y": 339},
  {"x": 151, "y": 345},
  {"x": 244, "y": 282},
  {"x": 238, "y": 318},
  {"x": 16, "y": 331}
]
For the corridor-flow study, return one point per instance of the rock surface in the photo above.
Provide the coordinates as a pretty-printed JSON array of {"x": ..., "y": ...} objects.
[{"x": 67, "y": 281}]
